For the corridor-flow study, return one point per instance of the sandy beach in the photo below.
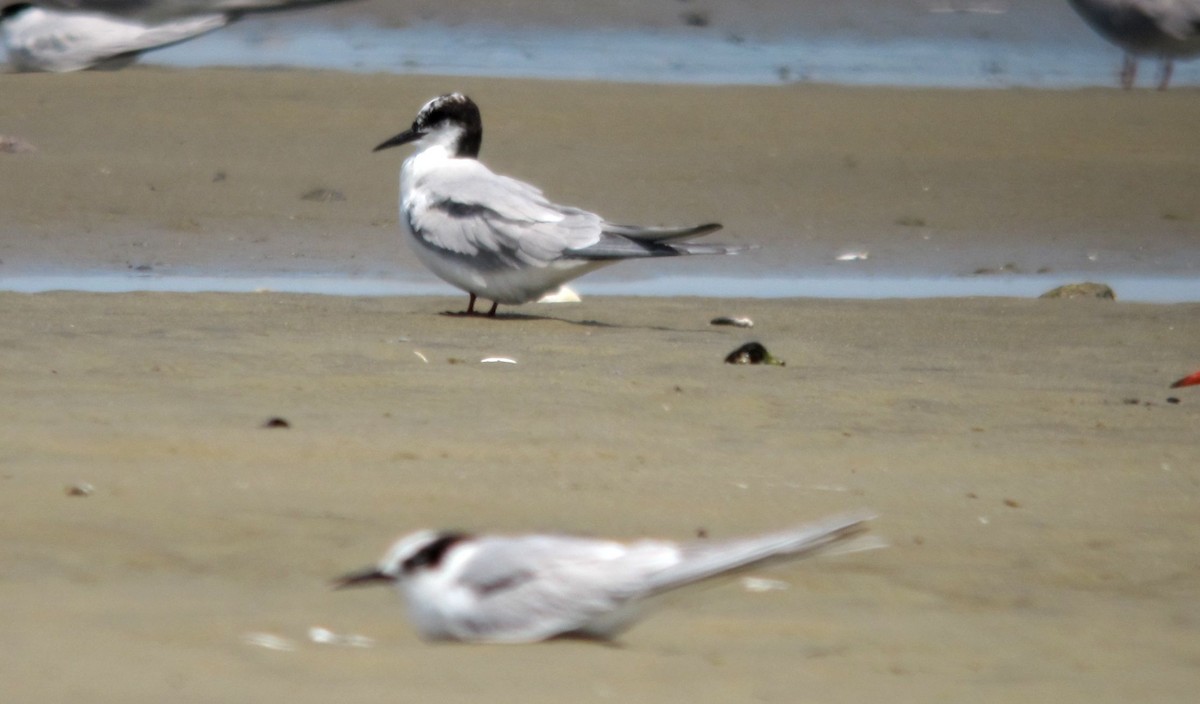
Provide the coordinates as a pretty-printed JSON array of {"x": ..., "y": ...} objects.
[
  {"x": 1036, "y": 483},
  {"x": 210, "y": 169},
  {"x": 1042, "y": 521}
]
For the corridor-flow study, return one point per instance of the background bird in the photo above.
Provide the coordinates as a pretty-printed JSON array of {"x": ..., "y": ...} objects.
[
  {"x": 73, "y": 35},
  {"x": 499, "y": 238},
  {"x": 1192, "y": 379},
  {"x": 1162, "y": 29},
  {"x": 527, "y": 588}
]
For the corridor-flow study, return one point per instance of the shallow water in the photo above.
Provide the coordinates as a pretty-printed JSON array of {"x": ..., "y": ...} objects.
[
  {"x": 1147, "y": 289},
  {"x": 641, "y": 56}
]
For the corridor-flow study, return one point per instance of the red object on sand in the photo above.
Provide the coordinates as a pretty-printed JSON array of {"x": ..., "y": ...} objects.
[{"x": 1187, "y": 381}]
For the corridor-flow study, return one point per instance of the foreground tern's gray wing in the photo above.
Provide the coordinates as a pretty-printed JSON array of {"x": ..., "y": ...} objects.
[
  {"x": 465, "y": 208},
  {"x": 536, "y": 587},
  {"x": 702, "y": 560}
]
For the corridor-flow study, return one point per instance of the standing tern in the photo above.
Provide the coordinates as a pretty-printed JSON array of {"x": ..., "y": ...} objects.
[
  {"x": 496, "y": 237},
  {"x": 528, "y": 588},
  {"x": 1161, "y": 29}
]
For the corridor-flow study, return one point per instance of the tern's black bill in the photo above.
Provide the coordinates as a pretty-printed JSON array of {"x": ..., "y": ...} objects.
[
  {"x": 403, "y": 138},
  {"x": 363, "y": 578}
]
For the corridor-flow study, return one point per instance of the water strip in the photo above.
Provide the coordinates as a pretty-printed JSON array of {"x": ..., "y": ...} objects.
[{"x": 1147, "y": 289}]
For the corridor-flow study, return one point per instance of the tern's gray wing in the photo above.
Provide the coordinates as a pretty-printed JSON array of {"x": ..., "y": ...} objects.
[
  {"x": 71, "y": 43},
  {"x": 702, "y": 560},
  {"x": 156, "y": 10},
  {"x": 465, "y": 208},
  {"x": 1181, "y": 20},
  {"x": 536, "y": 587},
  {"x": 1144, "y": 25}
]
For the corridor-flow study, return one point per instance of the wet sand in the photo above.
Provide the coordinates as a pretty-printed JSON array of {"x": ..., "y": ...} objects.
[
  {"x": 1037, "y": 487},
  {"x": 1042, "y": 523},
  {"x": 177, "y": 171}
]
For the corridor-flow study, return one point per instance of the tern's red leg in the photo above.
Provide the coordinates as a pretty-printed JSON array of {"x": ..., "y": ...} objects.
[
  {"x": 471, "y": 304},
  {"x": 1168, "y": 66},
  {"x": 1128, "y": 71},
  {"x": 492, "y": 313}
]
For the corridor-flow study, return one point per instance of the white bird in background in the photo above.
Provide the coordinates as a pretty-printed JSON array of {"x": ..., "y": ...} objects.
[
  {"x": 73, "y": 35},
  {"x": 499, "y": 238},
  {"x": 523, "y": 589},
  {"x": 157, "y": 10},
  {"x": 1163, "y": 29},
  {"x": 41, "y": 39}
]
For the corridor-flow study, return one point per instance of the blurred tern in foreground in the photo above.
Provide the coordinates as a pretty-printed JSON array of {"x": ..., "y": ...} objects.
[
  {"x": 1162, "y": 29},
  {"x": 523, "y": 589},
  {"x": 73, "y": 35},
  {"x": 498, "y": 238}
]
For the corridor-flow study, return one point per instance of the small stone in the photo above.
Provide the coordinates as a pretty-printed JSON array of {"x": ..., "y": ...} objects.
[
  {"x": 80, "y": 489},
  {"x": 752, "y": 353},
  {"x": 276, "y": 422},
  {"x": 739, "y": 322},
  {"x": 324, "y": 195},
  {"x": 1086, "y": 289},
  {"x": 15, "y": 145}
]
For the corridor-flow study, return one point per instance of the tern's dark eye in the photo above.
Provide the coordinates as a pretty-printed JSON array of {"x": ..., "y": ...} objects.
[{"x": 431, "y": 555}]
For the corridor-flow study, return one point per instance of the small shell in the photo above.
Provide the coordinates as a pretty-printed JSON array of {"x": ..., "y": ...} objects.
[
  {"x": 15, "y": 145},
  {"x": 494, "y": 360},
  {"x": 269, "y": 641},
  {"x": 760, "y": 584},
  {"x": 853, "y": 255},
  {"x": 80, "y": 489},
  {"x": 324, "y": 636},
  {"x": 741, "y": 322}
]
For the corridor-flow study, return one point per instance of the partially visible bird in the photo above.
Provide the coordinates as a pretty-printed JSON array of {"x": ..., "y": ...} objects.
[
  {"x": 152, "y": 11},
  {"x": 1161, "y": 29},
  {"x": 1189, "y": 380},
  {"x": 499, "y": 238},
  {"x": 527, "y": 588},
  {"x": 73, "y": 35},
  {"x": 41, "y": 39}
]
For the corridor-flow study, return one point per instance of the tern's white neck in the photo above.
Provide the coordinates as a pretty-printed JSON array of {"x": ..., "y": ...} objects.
[{"x": 442, "y": 143}]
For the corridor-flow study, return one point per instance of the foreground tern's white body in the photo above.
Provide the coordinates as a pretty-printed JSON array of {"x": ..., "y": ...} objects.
[
  {"x": 522, "y": 589},
  {"x": 499, "y": 238},
  {"x": 1161, "y": 29},
  {"x": 40, "y": 39}
]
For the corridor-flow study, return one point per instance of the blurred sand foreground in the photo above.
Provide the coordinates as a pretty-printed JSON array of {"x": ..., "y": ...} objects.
[
  {"x": 1039, "y": 491},
  {"x": 1044, "y": 531}
]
